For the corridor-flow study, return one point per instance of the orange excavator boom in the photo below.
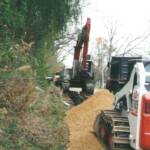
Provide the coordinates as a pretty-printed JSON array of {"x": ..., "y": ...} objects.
[{"x": 83, "y": 39}]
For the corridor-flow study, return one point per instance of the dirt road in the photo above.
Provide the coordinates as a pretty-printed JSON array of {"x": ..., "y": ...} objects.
[{"x": 80, "y": 120}]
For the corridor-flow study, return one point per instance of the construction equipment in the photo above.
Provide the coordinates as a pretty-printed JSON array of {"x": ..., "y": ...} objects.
[
  {"x": 127, "y": 124},
  {"x": 57, "y": 79},
  {"x": 117, "y": 78},
  {"x": 66, "y": 79},
  {"x": 81, "y": 76}
]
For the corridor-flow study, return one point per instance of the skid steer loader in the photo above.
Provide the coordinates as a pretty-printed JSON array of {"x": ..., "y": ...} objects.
[{"x": 127, "y": 124}]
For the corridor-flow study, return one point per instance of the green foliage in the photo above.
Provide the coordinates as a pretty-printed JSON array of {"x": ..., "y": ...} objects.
[
  {"x": 35, "y": 21},
  {"x": 26, "y": 124},
  {"x": 59, "y": 147},
  {"x": 12, "y": 127}
]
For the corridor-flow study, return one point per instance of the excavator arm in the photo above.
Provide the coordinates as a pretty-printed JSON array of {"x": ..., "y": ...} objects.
[{"x": 83, "y": 40}]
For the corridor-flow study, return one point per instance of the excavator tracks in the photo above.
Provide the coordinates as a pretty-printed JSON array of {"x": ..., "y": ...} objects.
[{"x": 113, "y": 130}]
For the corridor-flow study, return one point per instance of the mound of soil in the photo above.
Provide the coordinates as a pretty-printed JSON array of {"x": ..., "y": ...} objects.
[{"x": 80, "y": 120}]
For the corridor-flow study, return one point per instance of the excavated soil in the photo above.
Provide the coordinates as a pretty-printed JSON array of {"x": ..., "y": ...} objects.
[{"x": 80, "y": 120}]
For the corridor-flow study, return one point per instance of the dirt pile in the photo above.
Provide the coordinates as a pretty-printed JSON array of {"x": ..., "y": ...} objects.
[
  {"x": 16, "y": 94},
  {"x": 80, "y": 120}
]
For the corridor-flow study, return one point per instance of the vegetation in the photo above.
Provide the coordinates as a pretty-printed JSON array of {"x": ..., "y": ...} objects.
[
  {"x": 31, "y": 118},
  {"x": 32, "y": 113},
  {"x": 37, "y": 23}
]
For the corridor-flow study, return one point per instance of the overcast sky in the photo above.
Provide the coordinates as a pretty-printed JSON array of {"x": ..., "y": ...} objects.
[{"x": 132, "y": 15}]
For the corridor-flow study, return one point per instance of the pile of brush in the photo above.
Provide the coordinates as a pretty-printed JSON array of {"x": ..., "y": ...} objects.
[{"x": 30, "y": 117}]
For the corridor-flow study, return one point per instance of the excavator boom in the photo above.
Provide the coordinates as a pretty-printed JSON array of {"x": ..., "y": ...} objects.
[{"x": 82, "y": 43}]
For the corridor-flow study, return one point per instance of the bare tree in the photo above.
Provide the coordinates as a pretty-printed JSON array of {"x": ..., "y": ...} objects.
[
  {"x": 112, "y": 32},
  {"x": 122, "y": 45},
  {"x": 117, "y": 45},
  {"x": 101, "y": 46},
  {"x": 64, "y": 46}
]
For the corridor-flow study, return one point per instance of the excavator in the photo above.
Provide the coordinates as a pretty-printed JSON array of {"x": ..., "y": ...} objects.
[
  {"x": 127, "y": 124},
  {"x": 81, "y": 76}
]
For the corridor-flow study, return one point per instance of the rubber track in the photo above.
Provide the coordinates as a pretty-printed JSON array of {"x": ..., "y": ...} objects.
[{"x": 119, "y": 126}]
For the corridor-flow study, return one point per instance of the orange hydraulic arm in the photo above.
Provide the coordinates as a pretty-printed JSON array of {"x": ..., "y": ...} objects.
[{"x": 83, "y": 38}]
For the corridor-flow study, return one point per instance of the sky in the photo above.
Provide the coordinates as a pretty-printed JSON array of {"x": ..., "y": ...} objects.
[{"x": 133, "y": 17}]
